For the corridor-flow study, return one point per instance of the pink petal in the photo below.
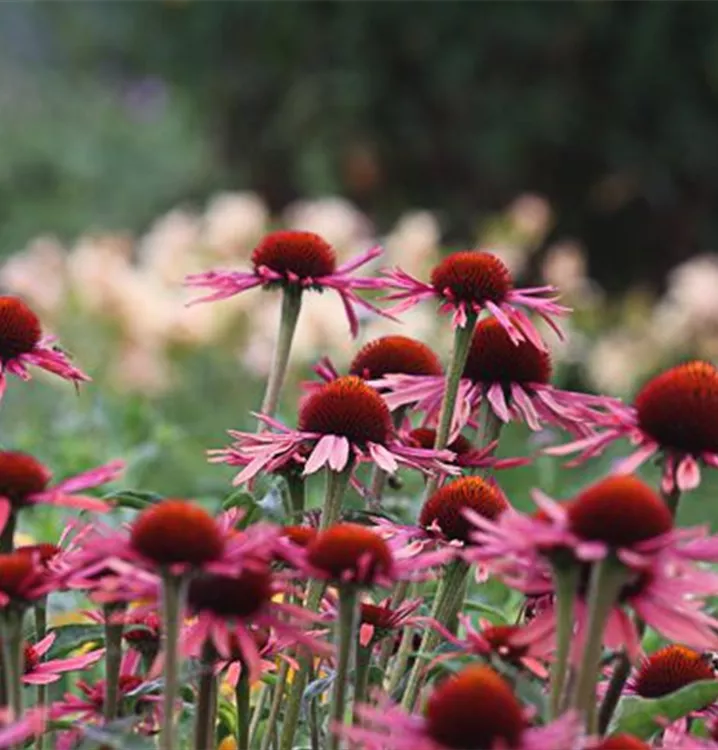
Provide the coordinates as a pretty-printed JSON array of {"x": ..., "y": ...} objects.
[
  {"x": 340, "y": 454},
  {"x": 5, "y": 510},
  {"x": 383, "y": 458},
  {"x": 688, "y": 474},
  {"x": 320, "y": 455},
  {"x": 498, "y": 402}
]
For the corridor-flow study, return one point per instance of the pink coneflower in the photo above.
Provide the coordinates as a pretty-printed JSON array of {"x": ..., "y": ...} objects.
[
  {"x": 350, "y": 553},
  {"x": 342, "y": 421},
  {"x": 230, "y": 609},
  {"x": 513, "y": 376},
  {"x": 22, "y": 344},
  {"x": 467, "y": 455},
  {"x": 397, "y": 354},
  {"x": 674, "y": 414},
  {"x": 527, "y": 646},
  {"x": 379, "y": 621},
  {"x": 473, "y": 710},
  {"x": 295, "y": 260},
  {"x": 39, "y": 672},
  {"x": 22, "y": 579},
  {"x": 24, "y": 482},
  {"x": 669, "y": 669},
  {"x": 620, "y": 516},
  {"x": 474, "y": 281}
]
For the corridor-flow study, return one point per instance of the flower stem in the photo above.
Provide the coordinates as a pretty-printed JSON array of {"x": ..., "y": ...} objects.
[
  {"x": 336, "y": 486},
  {"x": 607, "y": 577},
  {"x": 566, "y": 583},
  {"x": 488, "y": 430},
  {"x": 7, "y": 537},
  {"x": 462, "y": 342},
  {"x": 446, "y": 603},
  {"x": 40, "y": 611},
  {"x": 295, "y": 488},
  {"x": 361, "y": 679},
  {"x": 277, "y": 699},
  {"x": 173, "y": 588},
  {"x": 672, "y": 498},
  {"x": 344, "y": 638},
  {"x": 397, "y": 598},
  {"x": 378, "y": 476},
  {"x": 204, "y": 720},
  {"x": 291, "y": 305},
  {"x": 13, "y": 657},
  {"x": 243, "y": 717},
  {"x": 113, "y": 614},
  {"x": 264, "y": 693}
]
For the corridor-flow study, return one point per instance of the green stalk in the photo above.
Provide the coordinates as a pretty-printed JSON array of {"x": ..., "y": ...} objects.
[
  {"x": 622, "y": 670},
  {"x": 243, "y": 716},
  {"x": 462, "y": 342},
  {"x": 113, "y": 657},
  {"x": 295, "y": 488},
  {"x": 363, "y": 667},
  {"x": 13, "y": 657},
  {"x": 40, "y": 611},
  {"x": 264, "y": 693},
  {"x": 291, "y": 305},
  {"x": 7, "y": 537},
  {"x": 172, "y": 603},
  {"x": 446, "y": 603},
  {"x": 345, "y": 636},
  {"x": 270, "y": 727},
  {"x": 400, "y": 591},
  {"x": 607, "y": 578},
  {"x": 379, "y": 476},
  {"x": 488, "y": 430},
  {"x": 204, "y": 725},
  {"x": 336, "y": 486},
  {"x": 566, "y": 584}
]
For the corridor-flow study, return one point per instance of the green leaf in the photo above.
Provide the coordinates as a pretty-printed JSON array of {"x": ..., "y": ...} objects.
[
  {"x": 638, "y": 716},
  {"x": 135, "y": 499},
  {"x": 69, "y": 638},
  {"x": 494, "y": 614}
]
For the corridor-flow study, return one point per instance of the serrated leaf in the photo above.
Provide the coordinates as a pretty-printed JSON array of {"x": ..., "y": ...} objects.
[
  {"x": 69, "y": 638},
  {"x": 638, "y": 716},
  {"x": 135, "y": 499}
]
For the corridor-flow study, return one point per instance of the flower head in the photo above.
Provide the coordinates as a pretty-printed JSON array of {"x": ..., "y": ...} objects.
[
  {"x": 669, "y": 669},
  {"x": 674, "y": 414},
  {"x": 22, "y": 344},
  {"x": 341, "y": 421},
  {"x": 446, "y": 509},
  {"x": 295, "y": 260},
  {"x": 513, "y": 376},
  {"x": 22, "y": 579},
  {"x": 394, "y": 354},
  {"x": 24, "y": 482},
  {"x": 475, "y": 709},
  {"x": 473, "y": 281}
]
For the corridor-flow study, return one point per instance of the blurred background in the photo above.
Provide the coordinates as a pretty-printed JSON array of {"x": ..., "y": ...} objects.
[{"x": 143, "y": 141}]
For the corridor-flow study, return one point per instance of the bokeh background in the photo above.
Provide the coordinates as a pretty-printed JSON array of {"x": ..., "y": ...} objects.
[{"x": 143, "y": 141}]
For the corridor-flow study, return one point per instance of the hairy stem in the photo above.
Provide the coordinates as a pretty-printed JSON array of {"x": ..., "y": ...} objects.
[
  {"x": 607, "y": 577},
  {"x": 270, "y": 727},
  {"x": 566, "y": 583},
  {"x": 172, "y": 602},
  {"x": 204, "y": 717},
  {"x": 13, "y": 658},
  {"x": 462, "y": 342},
  {"x": 291, "y": 305},
  {"x": 400, "y": 591},
  {"x": 379, "y": 476},
  {"x": 344, "y": 639},
  {"x": 446, "y": 603},
  {"x": 243, "y": 716},
  {"x": 113, "y": 615},
  {"x": 361, "y": 679},
  {"x": 40, "y": 612}
]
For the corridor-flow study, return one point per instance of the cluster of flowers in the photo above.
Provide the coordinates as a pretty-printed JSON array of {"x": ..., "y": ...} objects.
[{"x": 185, "y": 597}]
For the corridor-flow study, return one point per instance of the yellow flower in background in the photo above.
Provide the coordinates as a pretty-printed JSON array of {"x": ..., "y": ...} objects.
[{"x": 228, "y": 743}]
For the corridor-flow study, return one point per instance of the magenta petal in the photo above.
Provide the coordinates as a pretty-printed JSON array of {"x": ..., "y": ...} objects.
[
  {"x": 320, "y": 455},
  {"x": 5, "y": 510},
  {"x": 92, "y": 478},
  {"x": 688, "y": 474}
]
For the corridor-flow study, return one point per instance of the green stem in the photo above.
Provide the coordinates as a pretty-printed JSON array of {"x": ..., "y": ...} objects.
[
  {"x": 295, "y": 487},
  {"x": 113, "y": 614},
  {"x": 243, "y": 716},
  {"x": 379, "y": 476},
  {"x": 264, "y": 693},
  {"x": 446, "y": 603},
  {"x": 13, "y": 657},
  {"x": 488, "y": 430},
  {"x": 291, "y": 305},
  {"x": 346, "y": 624},
  {"x": 204, "y": 726},
  {"x": 40, "y": 611},
  {"x": 7, "y": 537},
  {"x": 462, "y": 342},
  {"x": 607, "y": 577},
  {"x": 361, "y": 679},
  {"x": 566, "y": 583},
  {"x": 277, "y": 699},
  {"x": 172, "y": 595},
  {"x": 387, "y": 646}
]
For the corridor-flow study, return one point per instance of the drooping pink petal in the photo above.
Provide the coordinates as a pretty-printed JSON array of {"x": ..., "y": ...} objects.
[
  {"x": 92, "y": 478},
  {"x": 498, "y": 403},
  {"x": 319, "y": 455},
  {"x": 688, "y": 474}
]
